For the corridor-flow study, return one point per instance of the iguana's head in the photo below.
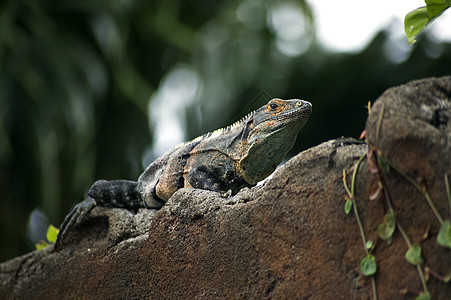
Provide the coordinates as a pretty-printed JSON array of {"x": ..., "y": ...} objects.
[
  {"x": 278, "y": 114},
  {"x": 271, "y": 133}
]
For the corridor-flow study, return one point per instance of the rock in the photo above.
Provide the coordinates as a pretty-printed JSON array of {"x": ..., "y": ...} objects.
[
  {"x": 288, "y": 238},
  {"x": 414, "y": 131},
  {"x": 270, "y": 240},
  {"x": 410, "y": 126}
]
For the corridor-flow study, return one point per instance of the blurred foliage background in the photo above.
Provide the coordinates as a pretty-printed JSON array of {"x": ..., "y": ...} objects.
[{"x": 98, "y": 89}]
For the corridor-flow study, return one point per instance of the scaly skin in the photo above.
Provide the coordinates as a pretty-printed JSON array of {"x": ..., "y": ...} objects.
[{"x": 227, "y": 159}]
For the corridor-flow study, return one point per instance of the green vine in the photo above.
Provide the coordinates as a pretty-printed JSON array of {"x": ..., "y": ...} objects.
[
  {"x": 448, "y": 193},
  {"x": 444, "y": 235},
  {"x": 422, "y": 189},
  {"x": 368, "y": 265},
  {"x": 413, "y": 254},
  {"x": 386, "y": 230}
]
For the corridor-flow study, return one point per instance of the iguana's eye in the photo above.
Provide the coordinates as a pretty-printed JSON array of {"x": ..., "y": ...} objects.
[{"x": 273, "y": 106}]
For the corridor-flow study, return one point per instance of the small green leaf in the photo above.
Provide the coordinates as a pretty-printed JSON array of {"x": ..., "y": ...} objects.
[
  {"x": 368, "y": 265},
  {"x": 444, "y": 235},
  {"x": 424, "y": 296},
  {"x": 348, "y": 206},
  {"x": 368, "y": 245},
  {"x": 52, "y": 233},
  {"x": 387, "y": 228},
  {"x": 41, "y": 245},
  {"x": 413, "y": 255}
]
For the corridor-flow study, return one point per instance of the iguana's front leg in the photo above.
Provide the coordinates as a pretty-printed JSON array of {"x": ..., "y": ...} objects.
[
  {"x": 114, "y": 193},
  {"x": 73, "y": 218},
  {"x": 217, "y": 179},
  {"x": 206, "y": 178}
]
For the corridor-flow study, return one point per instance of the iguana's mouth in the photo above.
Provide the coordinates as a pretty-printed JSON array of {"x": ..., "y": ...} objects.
[{"x": 304, "y": 110}]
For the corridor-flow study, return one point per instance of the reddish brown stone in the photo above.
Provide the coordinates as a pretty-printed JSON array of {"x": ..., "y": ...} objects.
[{"x": 287, "y": 239}]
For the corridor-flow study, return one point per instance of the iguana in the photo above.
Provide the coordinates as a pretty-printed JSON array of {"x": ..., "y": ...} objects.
[{"x": 224, "y": 160}]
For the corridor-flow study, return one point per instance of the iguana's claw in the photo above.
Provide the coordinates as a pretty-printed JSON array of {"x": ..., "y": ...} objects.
[{"x": 75, "y": 217}]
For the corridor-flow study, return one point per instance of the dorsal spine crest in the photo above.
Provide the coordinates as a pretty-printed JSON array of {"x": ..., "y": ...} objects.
[{"x": 226, "y": 129}]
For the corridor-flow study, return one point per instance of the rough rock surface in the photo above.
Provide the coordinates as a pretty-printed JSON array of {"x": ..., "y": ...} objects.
[
  {"x": 410, "y": 126},
  {"x": 286, "y": 239}
]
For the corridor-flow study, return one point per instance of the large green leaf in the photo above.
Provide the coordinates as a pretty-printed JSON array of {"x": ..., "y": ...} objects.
[
  {"x": 436, "y": 7},
  {"x": 417, "y": 20}
]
